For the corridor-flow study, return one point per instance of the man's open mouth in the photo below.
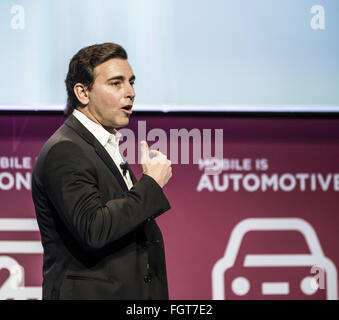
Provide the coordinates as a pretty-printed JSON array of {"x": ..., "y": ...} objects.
[{"x": 128, "y": 108}]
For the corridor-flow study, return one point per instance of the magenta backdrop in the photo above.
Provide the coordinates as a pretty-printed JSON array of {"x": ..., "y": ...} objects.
[{"x": 269, "y": 258}]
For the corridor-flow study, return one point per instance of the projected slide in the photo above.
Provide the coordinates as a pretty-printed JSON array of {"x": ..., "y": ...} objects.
[{"x": 185, "y": 54}]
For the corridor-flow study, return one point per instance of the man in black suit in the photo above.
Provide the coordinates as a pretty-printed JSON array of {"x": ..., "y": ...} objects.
[{"x": 96, "y": 221}]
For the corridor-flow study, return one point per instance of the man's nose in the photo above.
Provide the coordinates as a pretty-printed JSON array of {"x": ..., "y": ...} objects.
[{"x": 130, "y": 93}]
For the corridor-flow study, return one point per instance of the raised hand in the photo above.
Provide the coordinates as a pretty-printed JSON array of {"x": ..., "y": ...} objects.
[{"x": 155, "y": 164}]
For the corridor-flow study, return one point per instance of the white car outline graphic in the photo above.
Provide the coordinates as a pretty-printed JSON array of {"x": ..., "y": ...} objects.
[
  {"x": 316, "y": 258},
  {"x": 13, "y": 287}
]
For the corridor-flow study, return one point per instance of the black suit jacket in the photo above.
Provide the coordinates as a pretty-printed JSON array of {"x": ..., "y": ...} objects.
[{"x": 100, "y": 239}]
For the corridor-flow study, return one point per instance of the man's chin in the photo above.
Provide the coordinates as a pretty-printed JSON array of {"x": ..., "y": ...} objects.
[
  {"x": 122, "y": 123},
  {"x": 116, "y": 125}
]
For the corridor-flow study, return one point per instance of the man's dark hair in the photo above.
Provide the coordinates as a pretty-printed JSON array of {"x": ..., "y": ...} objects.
[{"x": 81, "y": 68}]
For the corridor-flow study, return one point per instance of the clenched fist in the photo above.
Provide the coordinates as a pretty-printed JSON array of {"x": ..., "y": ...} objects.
[{"x": 155, "y": 164}]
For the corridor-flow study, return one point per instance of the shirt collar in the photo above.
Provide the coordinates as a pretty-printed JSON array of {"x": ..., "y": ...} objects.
[{"x": 99, "y": 132}]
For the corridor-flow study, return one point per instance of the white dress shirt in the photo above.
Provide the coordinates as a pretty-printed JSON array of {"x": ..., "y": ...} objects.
[{"x": 110, "y": 141}]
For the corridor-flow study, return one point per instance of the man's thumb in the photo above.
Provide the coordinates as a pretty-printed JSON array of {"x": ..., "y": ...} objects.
[{"x": 144, "y": 151}]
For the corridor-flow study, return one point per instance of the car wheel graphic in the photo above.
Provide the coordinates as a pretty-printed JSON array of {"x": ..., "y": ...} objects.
[
  {"x": 309, "y": 285},
  {"x": 240, "y": 286}
]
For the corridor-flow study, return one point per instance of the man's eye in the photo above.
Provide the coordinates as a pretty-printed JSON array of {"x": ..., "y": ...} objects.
[{"x": 115, "y": 83}]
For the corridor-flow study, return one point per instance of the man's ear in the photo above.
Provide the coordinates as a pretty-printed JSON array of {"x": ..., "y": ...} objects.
[{"x": 81, "y": 93}]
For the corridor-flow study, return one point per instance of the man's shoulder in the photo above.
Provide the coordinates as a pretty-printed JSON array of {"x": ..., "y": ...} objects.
[
  {"x": 63, "y": 135},
  {"x": 64, "y": 142}
]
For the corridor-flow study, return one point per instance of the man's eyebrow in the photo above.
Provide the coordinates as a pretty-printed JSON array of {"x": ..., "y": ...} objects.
[{"x": 122, "y": 78}]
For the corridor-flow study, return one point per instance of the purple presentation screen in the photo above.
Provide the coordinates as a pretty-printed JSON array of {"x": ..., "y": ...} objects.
[{"x": 254, "y": 204}]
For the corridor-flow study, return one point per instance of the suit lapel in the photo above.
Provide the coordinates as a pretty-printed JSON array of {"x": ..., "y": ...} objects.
[
  {"x": 78, "y": 127},
  {"x": 105, "y": 157},
  {"x": 133, "y": 178}
]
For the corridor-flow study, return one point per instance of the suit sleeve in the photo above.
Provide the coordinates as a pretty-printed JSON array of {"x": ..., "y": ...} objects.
[{"x": 71, "y": 185}]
